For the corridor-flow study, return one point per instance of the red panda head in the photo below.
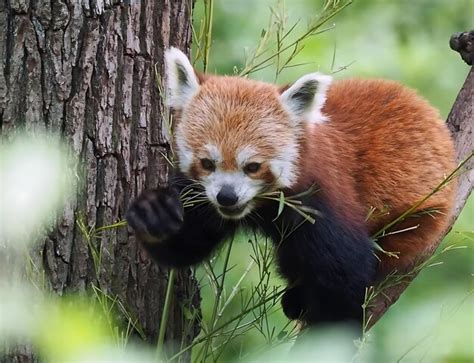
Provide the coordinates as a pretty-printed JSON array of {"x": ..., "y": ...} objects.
[{"x": 239, "y": 137}]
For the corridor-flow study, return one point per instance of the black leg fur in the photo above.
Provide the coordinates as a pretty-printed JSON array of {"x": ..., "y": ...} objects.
[
  {"x": 327, "y": 264},
  {"x": 292, "y": 302},
  {"x": 173, "y": 235}
]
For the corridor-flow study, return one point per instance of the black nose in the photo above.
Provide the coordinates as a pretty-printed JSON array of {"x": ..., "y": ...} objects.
[{"x": 227, "y": 197}]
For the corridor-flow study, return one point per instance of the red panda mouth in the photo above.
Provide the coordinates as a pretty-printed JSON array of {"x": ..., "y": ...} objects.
[{"x": 232, "y": 212}]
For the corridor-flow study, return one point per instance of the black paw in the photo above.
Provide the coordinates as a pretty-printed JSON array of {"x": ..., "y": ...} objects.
[
  {"x": 292, "y": 303},
  {"x": 156, "y": 214}
]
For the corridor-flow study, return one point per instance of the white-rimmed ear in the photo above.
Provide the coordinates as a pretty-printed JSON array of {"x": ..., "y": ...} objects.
[
  {"x": 181, "y": 80},
  {"x": 305, "y": 98}
]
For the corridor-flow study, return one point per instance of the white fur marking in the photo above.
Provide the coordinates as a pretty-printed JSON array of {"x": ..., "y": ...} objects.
[
  {"x": 185, "y": 154},
  {"x": 214, "y": 152},
  {"x": 245, "y": 187},
  {"x": 312, "y": 113},
  {"x": 244, "y": 155},
  {"x": 284, "y": 166},
  {"x": 179, "y": 92}
]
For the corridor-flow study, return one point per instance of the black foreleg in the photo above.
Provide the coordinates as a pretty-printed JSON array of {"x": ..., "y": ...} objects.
[
  {"x": 328, "y": 265},
  {"x": 174, "y": 235}
]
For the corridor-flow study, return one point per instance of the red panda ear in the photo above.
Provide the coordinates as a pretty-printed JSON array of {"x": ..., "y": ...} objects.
[
  {"x": 305, "y": 98},
  {"x": 182, "y": 82}
]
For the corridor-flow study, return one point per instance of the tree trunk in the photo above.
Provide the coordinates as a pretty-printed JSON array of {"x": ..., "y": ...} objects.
[{"x": 86, "y": 69}]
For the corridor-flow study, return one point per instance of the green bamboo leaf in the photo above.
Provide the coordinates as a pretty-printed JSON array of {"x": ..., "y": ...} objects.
[
  {"x": 188, "y": 315},
  {"x": 379, "y": 248},
  {"x": 281, "y": 205},
  {"x": 467, "y": 234}
]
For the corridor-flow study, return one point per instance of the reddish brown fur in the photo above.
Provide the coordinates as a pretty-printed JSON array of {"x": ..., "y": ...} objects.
[{"x": 383, "y": 147}]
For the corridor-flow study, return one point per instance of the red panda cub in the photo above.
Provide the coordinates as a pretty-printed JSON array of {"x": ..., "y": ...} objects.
[{"x": 362, "y": 144}]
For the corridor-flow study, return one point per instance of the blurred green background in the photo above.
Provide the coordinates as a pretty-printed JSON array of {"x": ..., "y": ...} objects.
[{"x": 402, "y": 40}]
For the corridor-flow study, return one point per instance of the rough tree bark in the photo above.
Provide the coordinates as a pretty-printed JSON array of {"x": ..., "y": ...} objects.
[
  {"x": 85, "y": 68},
  {"x": 461, "y": 124}
]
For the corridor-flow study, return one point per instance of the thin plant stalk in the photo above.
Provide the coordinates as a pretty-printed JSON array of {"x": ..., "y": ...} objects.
[
  {"x": 208, "y": 36},
  {"x": 312, "y": 30},
  {"x": 220, "y": 288},
  {"x": 164, "y": 317},
  {"x": 230, "y": 321},
  {"x": 413, "y": 208}
]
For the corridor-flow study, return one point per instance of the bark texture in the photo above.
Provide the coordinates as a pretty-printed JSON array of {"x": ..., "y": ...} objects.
[
  {"x": 85, "y": 68},
  {"x": 461, "y": 124}
]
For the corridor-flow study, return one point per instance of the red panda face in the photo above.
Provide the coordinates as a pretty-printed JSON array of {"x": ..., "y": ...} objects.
[{"x": 236, "y": 137}]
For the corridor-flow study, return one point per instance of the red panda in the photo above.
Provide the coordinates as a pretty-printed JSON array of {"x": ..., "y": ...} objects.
[{"x": 365, "y": 145}]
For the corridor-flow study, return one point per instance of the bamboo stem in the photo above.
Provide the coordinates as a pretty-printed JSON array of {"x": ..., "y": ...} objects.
[{"x": 165, "y": 315}]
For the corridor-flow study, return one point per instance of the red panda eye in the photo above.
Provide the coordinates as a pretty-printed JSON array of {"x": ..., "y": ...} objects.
[
  {"x": 208, "y": 164},
  {"x": 252, "y": 168}
]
